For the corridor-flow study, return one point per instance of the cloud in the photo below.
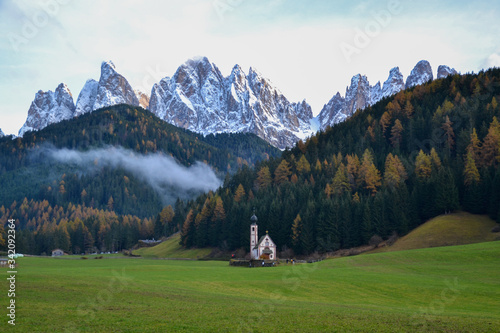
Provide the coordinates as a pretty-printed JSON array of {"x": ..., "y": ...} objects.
[
  {"x": 169, "y": 179},
  {"x": 492, "y": 61},
  {"x": 294, "y": 43}
]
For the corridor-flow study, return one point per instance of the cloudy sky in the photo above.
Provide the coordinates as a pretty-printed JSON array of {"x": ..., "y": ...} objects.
[{"x": 308, "y": 49}]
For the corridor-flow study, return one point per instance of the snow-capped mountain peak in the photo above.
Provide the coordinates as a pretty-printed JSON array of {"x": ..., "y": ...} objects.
[
  {"x": 198, "y": 97},
  {"x": 394, "y": 83},
  {"x": 113, "y": 88},
  {"x": 421, "y": 73},
  {"x": 444, "y": 71},
  {"x": 360, "y": 95},
  {"x": 49, "y": 107},
  {"x": 86, "y": 98}
]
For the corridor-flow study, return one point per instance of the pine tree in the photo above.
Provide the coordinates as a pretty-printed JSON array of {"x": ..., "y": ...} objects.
[
  {"x": 296, "y": 230},
  {"x": 110, "y": 203},
  {"x": 328, "y": 191},
  {"x": 239, "y": 194},
  {"x": 372, "y": 179},
  {"x": 366, "y": 226},
  {"x": 491, "y": 145},
  {"x": 263, "y": 178},
  {"x": 393, "y": 107},
  {"x": 370, "y": 133},
  {"x": 188, "y": 230},
  {"x": 369, "y": 173},
  {"x": 395, "y": 172},
  {"x": 450, "y": 135},
  {"x": 423, "y": 165},
  {"x": 83, "y": 195},
  {"x": 318, "y": 166},
  {"x": 408, "y": 109},
  {"x": 446, "y": 200},
  {"x": 303, "y": 165},
  {"x": 396, "y": 136},
  {"x": 340, "y": 183},
  {"x": 307, "y": 239},
  {"x": 219, "y": 212},
  {"x": 353, "y": 166},
  {"x": 471, "y": 174},
  {"x": 385, "y": 120},
  {"x": 474, "y": 147},
  {"x": 282, "y": 172},
  {"x": 436, "y": 161},
  {"x": 166, "y": 217}
]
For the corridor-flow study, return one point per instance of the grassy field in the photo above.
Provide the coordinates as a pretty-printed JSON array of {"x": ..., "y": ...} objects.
[
  {"x": 171, "y": 249},
  {"x": 446, "y": 289},
  {"x": 445, "y": 230}
]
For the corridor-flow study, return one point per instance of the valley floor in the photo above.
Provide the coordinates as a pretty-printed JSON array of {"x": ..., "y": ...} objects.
[{"x": 444, "y": 289}]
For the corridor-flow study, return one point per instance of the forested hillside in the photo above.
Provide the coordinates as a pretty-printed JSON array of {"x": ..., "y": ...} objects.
[
  {"x": 423, "y": 152},
  {"x": 46, "y": 194}
]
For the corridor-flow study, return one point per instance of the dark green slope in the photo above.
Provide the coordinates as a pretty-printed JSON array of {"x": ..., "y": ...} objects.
[{"x": 26, "y": 172}]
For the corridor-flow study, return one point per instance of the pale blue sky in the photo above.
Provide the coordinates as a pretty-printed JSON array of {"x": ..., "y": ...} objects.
[{"x": 298, "y": 45}]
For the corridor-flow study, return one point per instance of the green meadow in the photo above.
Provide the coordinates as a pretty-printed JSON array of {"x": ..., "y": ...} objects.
[
  {"x": 171, "y": 248},
  {"x": 445, "y": 230},
  {"x": 442, "y": 289}
]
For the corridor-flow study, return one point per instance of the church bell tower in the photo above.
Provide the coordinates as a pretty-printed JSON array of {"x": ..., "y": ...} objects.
[{"x": 254, "y": 237}]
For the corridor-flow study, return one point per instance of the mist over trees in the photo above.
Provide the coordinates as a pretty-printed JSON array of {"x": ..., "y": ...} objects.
[
  {"x": 113, "y": 170},
  {"x": 426, "y": 151}
]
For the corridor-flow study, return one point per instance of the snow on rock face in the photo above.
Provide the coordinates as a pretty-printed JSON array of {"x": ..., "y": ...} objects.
[
  {"x": 86, "y": 98},
  {"x": 1, "y": 133},
  {"x": 360, "y": 94},
  {"x": 113, "y": 88},
  {"x": 421, "y": 73},
  {"x": 48, "y": 108},
  {"x": 199, "y": 98},
  {"x": 51, "y": 107},
  {"x": 444, "y": 71},
  {"x": 357, "y": 96},
  {"x": 143, "y": 98},
  {"x": 376, "y": 93},
  {"x": 394, "y": 83},
  {"x": 332, "y": 113}
]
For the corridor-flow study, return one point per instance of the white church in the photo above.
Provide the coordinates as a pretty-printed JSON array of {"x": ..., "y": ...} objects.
[{"x": 263, "y": 248}]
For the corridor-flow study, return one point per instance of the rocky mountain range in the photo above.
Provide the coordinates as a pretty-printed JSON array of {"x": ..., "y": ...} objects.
[
  {"x": 199, "y": 98},
  {"x": 49, "y": 107},
  {"x": 360, "y": 94},
  {"x": 1, "y": 133}
]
